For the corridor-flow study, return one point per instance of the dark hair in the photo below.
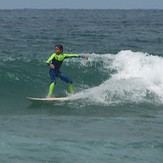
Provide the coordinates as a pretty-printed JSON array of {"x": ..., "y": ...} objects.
[{"x": 59, "y": 46}]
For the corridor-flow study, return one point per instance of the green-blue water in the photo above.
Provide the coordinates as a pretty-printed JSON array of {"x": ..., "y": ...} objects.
[{"x": 116, "y": 114}]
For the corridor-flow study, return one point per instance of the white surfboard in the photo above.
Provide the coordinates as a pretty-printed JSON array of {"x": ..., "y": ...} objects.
[{"x": 53, "y": 99}]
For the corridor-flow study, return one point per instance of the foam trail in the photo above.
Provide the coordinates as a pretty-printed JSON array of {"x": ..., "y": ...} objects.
[{"x": 137, "y": 77}]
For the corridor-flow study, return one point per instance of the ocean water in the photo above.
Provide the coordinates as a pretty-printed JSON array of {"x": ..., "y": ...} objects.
[{"x": 116, "y": 114}]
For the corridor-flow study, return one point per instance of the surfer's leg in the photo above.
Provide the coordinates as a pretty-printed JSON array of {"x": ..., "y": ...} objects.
[
  {"x": 52, "y": 75},
  {"x": 67, "y": 80},
  {"x": 51, "y": 88},
  {"x": 52, "y": 85},
  {"x": 71, "y": 88}
]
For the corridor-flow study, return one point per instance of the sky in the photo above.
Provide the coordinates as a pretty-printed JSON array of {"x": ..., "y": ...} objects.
[{"x": 82, "y": 4}]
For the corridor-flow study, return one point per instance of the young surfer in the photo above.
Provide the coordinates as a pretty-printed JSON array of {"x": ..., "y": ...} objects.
[{"x": 55, "y": 62}]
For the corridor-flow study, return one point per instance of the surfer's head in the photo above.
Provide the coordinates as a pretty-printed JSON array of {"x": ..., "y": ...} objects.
[{"x": 58, "y": 49}]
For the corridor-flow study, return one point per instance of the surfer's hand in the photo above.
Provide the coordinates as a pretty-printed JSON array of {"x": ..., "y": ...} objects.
[
  {"x": 85, "y": 57},
  {"x": 52, "y": 66}
]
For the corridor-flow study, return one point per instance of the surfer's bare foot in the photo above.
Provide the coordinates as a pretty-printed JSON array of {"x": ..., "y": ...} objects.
[{"x": 50, "y": 96}]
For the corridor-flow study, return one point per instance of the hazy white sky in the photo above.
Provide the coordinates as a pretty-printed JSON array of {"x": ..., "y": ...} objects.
[{"x": 83, "y": 4}]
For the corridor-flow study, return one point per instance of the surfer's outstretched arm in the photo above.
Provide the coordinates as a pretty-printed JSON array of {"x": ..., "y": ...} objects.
[{"x": 75, "y": 56}]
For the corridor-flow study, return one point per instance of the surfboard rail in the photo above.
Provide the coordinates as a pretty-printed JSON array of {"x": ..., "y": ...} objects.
[{"x": 53, "y": 99}]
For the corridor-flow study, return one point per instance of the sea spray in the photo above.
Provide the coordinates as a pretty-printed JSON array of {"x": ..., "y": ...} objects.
[{"x": 136, "y": 77}]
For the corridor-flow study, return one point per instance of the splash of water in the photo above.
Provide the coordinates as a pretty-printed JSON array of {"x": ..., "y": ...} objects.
[{"x": 136, "y": 77}]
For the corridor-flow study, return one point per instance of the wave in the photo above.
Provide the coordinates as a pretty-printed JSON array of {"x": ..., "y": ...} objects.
[
  {"x": 105, "y": 79},
  {"x": 136, "y": 78}
]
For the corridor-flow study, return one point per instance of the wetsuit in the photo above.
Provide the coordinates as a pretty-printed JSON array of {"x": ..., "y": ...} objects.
[{"x": 57, "y": 60}]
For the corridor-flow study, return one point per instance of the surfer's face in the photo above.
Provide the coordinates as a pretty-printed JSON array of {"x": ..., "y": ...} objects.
[{"x": 57, "y": 50}]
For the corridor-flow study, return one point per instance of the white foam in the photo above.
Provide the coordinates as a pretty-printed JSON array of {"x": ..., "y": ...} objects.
[
  {"x": 146, "y": 67},
  {"x": 138, "y": 77}
]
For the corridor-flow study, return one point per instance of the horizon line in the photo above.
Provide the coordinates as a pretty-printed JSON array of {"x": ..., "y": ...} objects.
[{"x": 80, "y": 9}]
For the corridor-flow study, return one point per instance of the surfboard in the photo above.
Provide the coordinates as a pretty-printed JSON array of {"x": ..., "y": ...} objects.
[{"x": 53, "y": 99}]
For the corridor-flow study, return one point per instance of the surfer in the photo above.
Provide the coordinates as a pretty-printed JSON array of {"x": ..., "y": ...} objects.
[{"x": 55, "y": 62}]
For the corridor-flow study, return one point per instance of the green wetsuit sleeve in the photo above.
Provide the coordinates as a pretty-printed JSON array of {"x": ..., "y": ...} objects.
[
  {"x": 72, "y": 56},
  {"x": 50, "y": 58}
]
